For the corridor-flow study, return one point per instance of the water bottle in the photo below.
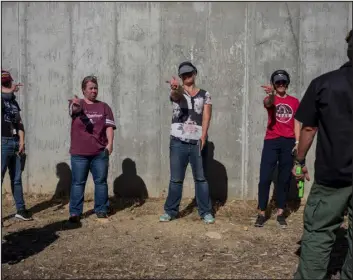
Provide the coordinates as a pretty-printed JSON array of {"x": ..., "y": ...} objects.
[{"x": 298, "y": 171}]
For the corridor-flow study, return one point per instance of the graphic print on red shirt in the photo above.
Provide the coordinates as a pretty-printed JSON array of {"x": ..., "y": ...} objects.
[
  {"x": 281, "y": 117},
  {"x": 88, "y": 130}
]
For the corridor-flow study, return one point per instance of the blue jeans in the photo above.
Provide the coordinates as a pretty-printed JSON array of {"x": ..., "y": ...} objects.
[
  {"x": 12, "y": 161},
  {"x": 181, "y": 154},
  {"x": 275, "y": 150},
  {"x": 81, "y": 165}
]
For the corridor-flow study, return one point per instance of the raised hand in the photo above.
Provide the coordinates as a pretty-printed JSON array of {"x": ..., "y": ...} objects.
[
  {"x": 75, "y": 100},
  {"x": 268, "y": 88},
  {"x": 174, "y": 83}
]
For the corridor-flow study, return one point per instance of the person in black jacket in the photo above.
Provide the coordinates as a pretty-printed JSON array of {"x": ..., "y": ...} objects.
[
  {"x": 12, "y": 142},
  {"x": 326, "y": 109}
]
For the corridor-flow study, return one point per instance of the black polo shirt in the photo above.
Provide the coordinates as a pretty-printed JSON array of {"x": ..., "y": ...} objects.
[{"x": 327, "y": 105}]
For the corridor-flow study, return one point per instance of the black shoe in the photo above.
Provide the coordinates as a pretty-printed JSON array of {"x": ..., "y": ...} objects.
[
  {"x": 281, "y": 221},
  {"x": 24, "y": 215},
  {"x": 74, "y": 219},
  {"x": 260, "y": 221},
  {"x": 102, "y": 215}
]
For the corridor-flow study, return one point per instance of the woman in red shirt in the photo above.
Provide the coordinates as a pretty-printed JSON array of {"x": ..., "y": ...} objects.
[{"x": 281, "y": 139}]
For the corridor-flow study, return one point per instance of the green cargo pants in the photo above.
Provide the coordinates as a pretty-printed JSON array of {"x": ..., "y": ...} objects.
[{"x": 323, "y": 215}]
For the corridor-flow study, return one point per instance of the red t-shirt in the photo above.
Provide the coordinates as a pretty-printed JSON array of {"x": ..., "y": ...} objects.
[
  {"x": 281, "y": 117},
  {"x": 88, "y": 130}
]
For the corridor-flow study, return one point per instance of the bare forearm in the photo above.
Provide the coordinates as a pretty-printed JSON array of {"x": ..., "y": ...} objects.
[
  {"x": 21, "y": 135},
  {"x": 269, "y": 101},
  {"x": 74, "y": 109},
  {"x": 206, "y": 119},
  {"x": 110, "y": 135},
  {"x": 177, "y": 94},
  {"x": 296, "y": 130},
  {"x": 306, "y": 139}
]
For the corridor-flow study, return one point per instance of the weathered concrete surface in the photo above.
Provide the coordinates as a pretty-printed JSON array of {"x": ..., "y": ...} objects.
[{"x": 134, "y": 47}]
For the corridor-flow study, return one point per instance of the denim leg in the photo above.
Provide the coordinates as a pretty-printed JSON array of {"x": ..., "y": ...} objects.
[
  {"x": 80, "y": 168},
  {"x": 99, "y": 169},
  {"x": 285, "y": 165},
  {"x": 203, "y": 199},
  {"x": 269, "y": 159},
  {"x": 179, "y": 159},
  {"x": 6, "y": 152},
  {"x": 16, "y": 181}
]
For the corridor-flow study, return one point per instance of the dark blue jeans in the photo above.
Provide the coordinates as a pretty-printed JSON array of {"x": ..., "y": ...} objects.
[
  {"x": 81, "y": 165},
  {"x": 275, "y": 150},
  {"x": 181, "y": 154},
  {"x": 12, "y": 161}
]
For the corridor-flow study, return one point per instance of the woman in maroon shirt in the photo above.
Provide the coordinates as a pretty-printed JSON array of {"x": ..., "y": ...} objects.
[
  {"x": 92, "y": 135},
  {"x": 281, "y": 139}
]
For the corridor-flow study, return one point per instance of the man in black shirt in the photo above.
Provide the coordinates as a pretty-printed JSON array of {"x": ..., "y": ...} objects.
[
  {"x": 12, "y": 142},
  {"x": 326, "y": 109}
]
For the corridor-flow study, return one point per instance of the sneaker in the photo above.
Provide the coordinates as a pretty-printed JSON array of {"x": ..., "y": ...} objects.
[
  {"x": 281, "y": 221},
  {"x": 24, "y": 215},
  {"x": 260, "y": 221},
  {"x": 102, "y": 215},
  {"x": 74, "y": 219},
  {"x": 165, "y": 218},
  {"x": 208, "y": 219}
]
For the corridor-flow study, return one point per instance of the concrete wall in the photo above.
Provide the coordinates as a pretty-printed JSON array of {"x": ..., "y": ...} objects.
[{"x": 134, "y": 47}]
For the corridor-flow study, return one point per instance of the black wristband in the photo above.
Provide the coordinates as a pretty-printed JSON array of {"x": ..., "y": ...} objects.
[{"x": 300, "y": 162}]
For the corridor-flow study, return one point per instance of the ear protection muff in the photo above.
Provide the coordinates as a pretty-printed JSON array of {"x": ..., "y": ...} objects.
[
  {"x": 186, "y": 63},
  {"x": 278, "y": 72}
]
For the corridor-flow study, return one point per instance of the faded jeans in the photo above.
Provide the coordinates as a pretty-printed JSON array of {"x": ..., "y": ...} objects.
[
  {"x": 182, "y": 153},
  {"x": 12, "y": 161},
  {"x": 81, "y": 165}
]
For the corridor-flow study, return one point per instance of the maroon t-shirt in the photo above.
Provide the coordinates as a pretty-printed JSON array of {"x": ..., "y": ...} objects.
[{"x": 88, "y": 129}]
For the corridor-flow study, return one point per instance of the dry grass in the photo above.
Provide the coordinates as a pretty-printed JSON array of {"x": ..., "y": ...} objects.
[{"x": 133, "y": 244}]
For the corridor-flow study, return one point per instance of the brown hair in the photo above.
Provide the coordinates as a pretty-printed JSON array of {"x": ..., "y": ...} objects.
[{"x": 87, "y": 79}]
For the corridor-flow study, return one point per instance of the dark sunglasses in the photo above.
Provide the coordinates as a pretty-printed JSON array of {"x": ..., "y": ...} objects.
[{"x": 281, "y": 83}]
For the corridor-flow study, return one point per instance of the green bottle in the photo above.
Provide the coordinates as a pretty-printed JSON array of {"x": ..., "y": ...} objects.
[{"x": 298, "y": 171}]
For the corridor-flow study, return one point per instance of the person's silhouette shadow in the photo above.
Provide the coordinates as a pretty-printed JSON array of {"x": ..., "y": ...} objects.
[
  {"x": 61, "y": 196},
  {"x": 129, "y": 188},
  {"x": 217, "y": 178},
  {"x": 25, "y": 243}
]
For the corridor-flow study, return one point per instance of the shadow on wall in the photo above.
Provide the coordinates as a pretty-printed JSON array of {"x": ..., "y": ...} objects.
[
  {"x": 129, "y": 188},
  {"x": 216, "y": 175},
  {"x": 338, "y": 253},
  {"x": 28, "y": 242},
  {"x": 61, "y": 196},
  {"x": 293, "y": 201},
  {"x": 217, "y": 178}
]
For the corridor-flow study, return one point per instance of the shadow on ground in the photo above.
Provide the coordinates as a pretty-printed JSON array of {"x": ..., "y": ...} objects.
[
  {"x": 61, "y": 196},
  {"x": 338, "y": 253},
  {"x": 28, "y": 242},
  {"x": 216, "y": 175}
]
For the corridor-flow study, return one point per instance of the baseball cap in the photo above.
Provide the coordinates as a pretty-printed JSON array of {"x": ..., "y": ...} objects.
[
  {"x": 280, "y": 77},
  {"x": 6, "y": 76},
  {"x": 186, "y": 69}
]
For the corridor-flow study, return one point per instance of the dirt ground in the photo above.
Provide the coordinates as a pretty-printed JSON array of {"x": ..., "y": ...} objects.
[{"x": 133, "y": 244}]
